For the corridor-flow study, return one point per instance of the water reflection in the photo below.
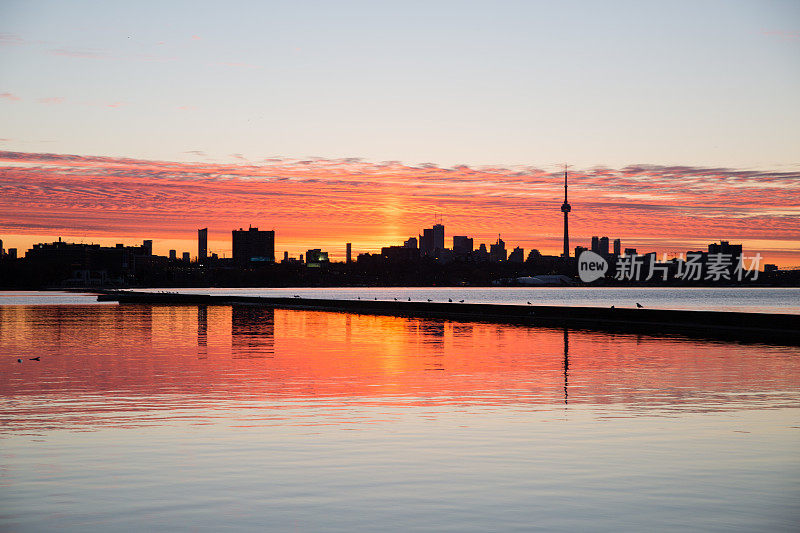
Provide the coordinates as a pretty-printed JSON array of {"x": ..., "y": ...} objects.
[
  {"x": 186, "y": 357},
  {"x": 566, "y": 365},
  {"x": 252, "y": 331}
]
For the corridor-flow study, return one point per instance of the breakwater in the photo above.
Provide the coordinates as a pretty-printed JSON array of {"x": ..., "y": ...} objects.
[{"x": 755, "y": 327}]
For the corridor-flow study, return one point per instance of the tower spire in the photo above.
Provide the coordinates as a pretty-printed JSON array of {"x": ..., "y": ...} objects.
[{"x": 566, "y": 208}]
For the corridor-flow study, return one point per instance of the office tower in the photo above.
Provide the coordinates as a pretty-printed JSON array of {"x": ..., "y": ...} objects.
[
  {"x": 202, "y": 245},
  {"x": 12, "y": 253},
  {"x": 349, "y": 253},
  {"x": 147, "y": 247},
  {"x": 410, "y": 243},
  {"x": 251, "y": 245},
  {"x": 173, "y": 255},
  {"x": 462, "y": 245},
  {"x": 438, "y": 237},
  {"x": 617, "y": 247},
  {"x": 497, "y": 251},
  {"x": 432, "y": 240},
  {"x": 604, "y": 246},
  {"x": 596, "y": 244},
  {"x": 186, "y": 257},
  {"x": 566, "y": 208},
  {"x": 1, "y": 247}
]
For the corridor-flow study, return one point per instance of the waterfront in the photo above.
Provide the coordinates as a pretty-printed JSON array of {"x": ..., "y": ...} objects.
[
  {"x": 243, "y": 417},
  {"x": 742, "y": 299}
]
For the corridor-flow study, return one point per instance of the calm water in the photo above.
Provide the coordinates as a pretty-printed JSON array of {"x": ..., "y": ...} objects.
[
  {"x": 243, "y": 418},
  {"x": 756, "y": 300}
]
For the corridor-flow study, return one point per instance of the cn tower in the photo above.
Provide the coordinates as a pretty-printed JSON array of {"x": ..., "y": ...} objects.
[{"x": 566, "y": 208}]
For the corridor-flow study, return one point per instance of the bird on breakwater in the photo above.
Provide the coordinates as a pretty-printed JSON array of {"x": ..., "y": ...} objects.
[
  {"x": 409, "y": 299},
  {"x": 395, "y": 299},
  {"x": 376, "y": 297},
  {"x": 529, "y": 303},
  {"x": 612, "y": 307},
  {"x": 430, "y": 300},
  {"x": 461, "y": 301},
  {"x": 640, "y": 306},
  {"x": 358, "y": 298},
  {"x": 450, "y": 300},
  {"x": 297, "y": 296}
]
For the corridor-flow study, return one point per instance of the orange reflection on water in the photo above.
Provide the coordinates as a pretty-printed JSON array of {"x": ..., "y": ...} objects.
[{"x": 169, "y": 357}]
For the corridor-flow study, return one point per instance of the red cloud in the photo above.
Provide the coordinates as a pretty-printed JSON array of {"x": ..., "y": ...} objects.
[{"x": 325, "y": 202}]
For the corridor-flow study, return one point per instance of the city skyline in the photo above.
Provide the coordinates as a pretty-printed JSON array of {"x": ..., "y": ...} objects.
[{"x": 325, "y": 203}]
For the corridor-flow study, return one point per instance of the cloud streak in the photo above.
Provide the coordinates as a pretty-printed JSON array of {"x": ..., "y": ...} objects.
[{"x": 325, "y": 202}]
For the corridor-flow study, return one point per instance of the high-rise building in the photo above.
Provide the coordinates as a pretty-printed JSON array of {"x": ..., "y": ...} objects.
[
  {"x": 497, "y": 251},
  {"x": 617, "y": 247},
  {"x": 462, "y": 245},
  {"x": 432, "y": 240},
  {"x": 596, "y": 244},
  {"x": 202, "y": 245},
  {"x": 186, "y": 257},
  {"x": 410, "y": 243},
  {"x": 349, "y": 252},
  {"x": 147, "y": 247},
  {"x": 566, "y": 208},
  {"x": 173, "y": 255},
  {"x": 438, "y": 237},
  {"x": 603, "y": 246},
  {"x": 252, "y": 245}
]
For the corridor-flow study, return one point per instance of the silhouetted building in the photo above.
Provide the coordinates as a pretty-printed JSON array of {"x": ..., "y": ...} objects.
[
  {"x": 603, "y": 246},
  {"x": 566, "y": 208},
  {"x": 517, "y": 255},
  {"x": 12, "y": 253},
  {"x": 497, "y": 252},
  {"x": 186, "y": 257},
  {"x": 349, "y": 252},
  {"x": 579, "y": 250},
  {"x": 202, "y": 245},
  {"x": 432, "y": 240},
  {"x": 147, "y": 247},
  {"x": 617, "y": 247},
  {"x": 533, "y": 256},
  {"x": 252, "y": 245},
  {"x": 173, "y": 255},
  {"x": 630, "y": 251},
  {"x": 410, "y": 243},
  {"x": 316, "y": 257},
  {"x": 462, "y": 245},
  {"x": 400, "y": 254}
]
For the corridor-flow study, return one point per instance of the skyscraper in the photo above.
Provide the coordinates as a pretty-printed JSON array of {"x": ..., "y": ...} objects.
[
  {"x": 566, "y": 208},
  {"x": 604, "y": 246},
  {"x": 349, "y": 252},
  {"x": 617, "y": 247},
  {"x": 202, "y": 245},
  {"x": 253, "y": 245}
]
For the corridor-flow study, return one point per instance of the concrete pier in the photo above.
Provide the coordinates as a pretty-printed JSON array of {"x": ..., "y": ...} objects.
[{"x": 748, "y": 327}]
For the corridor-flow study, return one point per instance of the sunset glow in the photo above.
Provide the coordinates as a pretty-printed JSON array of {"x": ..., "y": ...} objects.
[{"x": 325, "y": 203}]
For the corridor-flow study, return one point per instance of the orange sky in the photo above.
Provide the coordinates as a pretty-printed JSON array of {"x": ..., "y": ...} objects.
[{"x": 325, "y": 203}]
